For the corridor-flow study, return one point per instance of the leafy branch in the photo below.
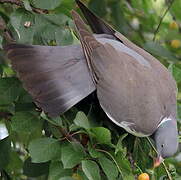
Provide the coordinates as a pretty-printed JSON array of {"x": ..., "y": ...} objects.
[{"x": 21, "y": 4}]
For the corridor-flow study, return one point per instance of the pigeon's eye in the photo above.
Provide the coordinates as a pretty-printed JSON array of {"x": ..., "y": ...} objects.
[{"x": 162, "y": 145}]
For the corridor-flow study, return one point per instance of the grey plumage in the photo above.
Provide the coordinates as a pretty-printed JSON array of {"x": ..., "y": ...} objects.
[
  {"x": 134, "y": 89},
  {"x": 56, "y": 77}
]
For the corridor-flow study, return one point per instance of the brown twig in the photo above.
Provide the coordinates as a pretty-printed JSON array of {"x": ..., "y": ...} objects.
[
  {"x": 6, "y": 33},
  {"x": 20, "y": 4},
  {"x": 5, "y": 115},
  {"x": 16, "y": 2},
  {"x": 161, "y": 19}
]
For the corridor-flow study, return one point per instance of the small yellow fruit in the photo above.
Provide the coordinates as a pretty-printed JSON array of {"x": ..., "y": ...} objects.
[
  {"x": 143, "y": 176},
  {"x": 173, "y": 25},
  {"x": 175, "y": 43}
]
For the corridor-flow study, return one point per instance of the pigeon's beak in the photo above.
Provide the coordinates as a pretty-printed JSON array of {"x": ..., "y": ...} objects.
[{"x": 158, "y": 161}]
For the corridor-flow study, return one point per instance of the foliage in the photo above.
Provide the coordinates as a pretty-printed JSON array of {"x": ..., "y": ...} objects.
[{"x": 82, "y": 144}]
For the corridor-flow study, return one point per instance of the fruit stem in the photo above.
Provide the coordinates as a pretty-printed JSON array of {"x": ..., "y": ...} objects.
[{"x": 164, "y": 165}]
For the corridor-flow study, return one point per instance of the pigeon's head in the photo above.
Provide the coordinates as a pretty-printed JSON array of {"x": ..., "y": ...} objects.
[{"x": 166, "y": 139}]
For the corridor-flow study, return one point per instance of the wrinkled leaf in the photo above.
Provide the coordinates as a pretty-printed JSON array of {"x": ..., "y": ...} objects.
[
  {"x": 25, "y": 122},
  {"x": 102, "y": 135},
  {"x": 44, "y": 149},
  {"x": 56, "y": 171},
  {"x": 23, "y": 23},
  {"x": 46, "y": 4},
  {"x": 63, "y": 37},
  {"x": 72, "y": 154},
  {"x": 109, "y": 168},
  {"x": 81, "y": 120},
  {"x": 91, "y": 170},
  {"x": 9, "y": 90}
]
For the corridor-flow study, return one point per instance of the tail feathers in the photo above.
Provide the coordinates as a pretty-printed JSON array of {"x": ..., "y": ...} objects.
[
  {"x": 56, "y": 77},
  {"x": 97, "y": 25}
]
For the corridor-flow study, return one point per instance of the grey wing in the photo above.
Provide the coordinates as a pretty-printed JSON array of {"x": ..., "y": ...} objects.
[{"x": 56, "y": 77}]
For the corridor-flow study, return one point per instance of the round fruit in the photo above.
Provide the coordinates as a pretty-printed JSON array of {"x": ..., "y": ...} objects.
[
  {"x": 143, "y": 176},
  {"x": 173, "y": 25},
  {"x": 175, "y": 43}
]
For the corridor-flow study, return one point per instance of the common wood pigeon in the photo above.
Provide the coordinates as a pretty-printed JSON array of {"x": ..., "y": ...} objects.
[{"x": 134, "y": 89}]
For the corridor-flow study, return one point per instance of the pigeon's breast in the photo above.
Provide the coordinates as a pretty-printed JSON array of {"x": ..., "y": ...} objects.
[{"x": 127, "y": 126}]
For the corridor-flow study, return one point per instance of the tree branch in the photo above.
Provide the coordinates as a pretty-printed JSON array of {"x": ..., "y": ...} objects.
[
  {"x": 6, "y": 33},
  {"x": 16, "y": 2},
  {"x": 20, "y": 4},
  {"x": 161, "y": 19}
]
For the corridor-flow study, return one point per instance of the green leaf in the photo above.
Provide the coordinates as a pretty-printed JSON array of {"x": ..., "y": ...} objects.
[
  {"x": 117, "y": 14},
  {"x": 159, "y": 50},
  {"x": 9, "y": 90},
  {"x": 44, "y": 149},
  {"x": 55, "y": 121},
  {"x": 25, "y": 97},
  {"x": 35, "y": 169},
  {"x": 119, "y": 146},
  {"x": 19, "y": 19},
  {"x": 81, "y": 120},
  {"x": 179, "y": 112},
  {"x": 16, "y": 163},
  {"x": 175, "y": 9},
  {"x": 176, "y": 71},
  {"x": 63, "y": 37},
  {"x": 102, "y": 135},
  {"x": 98, "y": 7},
  {"x": 93, "y": 152},
  {"x": 5, "y": 148},
  {"x": 66, "y": 7},
  {"x": 46, "y": 4},
  {"x": 72, "y": 154},
  {"x": 56, "y": 171},
  {"x": 27, "y": 5},
  {"x": 124, "y": 166},
  {"x": 25, "y": 107},
  {"x": 25, "y": 122},
  {"x": 109, "y": 168},
  {"x": 91, "y": 170},
  {"x": 141, "y": 150}
]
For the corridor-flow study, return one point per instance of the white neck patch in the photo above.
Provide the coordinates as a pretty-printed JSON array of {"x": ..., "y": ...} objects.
[{"x": 165, "y": 120}]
